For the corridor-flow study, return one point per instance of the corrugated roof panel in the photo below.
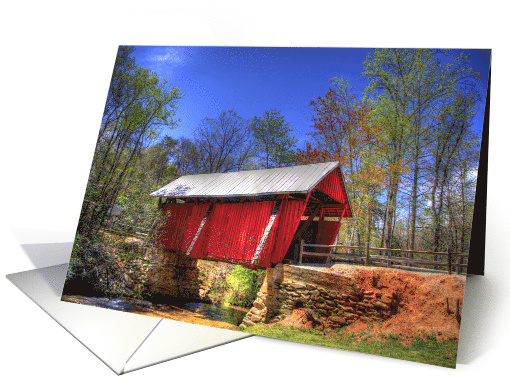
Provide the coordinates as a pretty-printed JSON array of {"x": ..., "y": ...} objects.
[
  {"x": 313, "y": 177},
  {"x": 307, "y": 177},
  {"x": 297, "y": 179},
  {"x": 276, "y": 181}
]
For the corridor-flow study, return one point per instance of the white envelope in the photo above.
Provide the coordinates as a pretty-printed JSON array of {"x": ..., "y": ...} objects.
[{"x": 123, "y": 341}]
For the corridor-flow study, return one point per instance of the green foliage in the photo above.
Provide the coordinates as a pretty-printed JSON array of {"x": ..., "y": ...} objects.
[
  {"x": 218, "y": 288},
  {"x": 243, "y": 285},
  {"x": 139, "y": 104},
  {"x": 229, "y": 284},
  {"x": 213, "y": 280},
  {"x": 418, "y": 95},
  {"x": 150, "y": 172},
  {"x": 272, "y": 140},
  {"x": 92, "y": 270}
]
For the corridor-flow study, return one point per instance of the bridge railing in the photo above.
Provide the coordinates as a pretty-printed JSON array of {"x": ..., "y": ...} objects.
[{"x": 424, "y": 261}]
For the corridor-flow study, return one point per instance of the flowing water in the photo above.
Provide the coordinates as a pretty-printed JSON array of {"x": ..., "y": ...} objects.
[{"x": 229, "y": 315}]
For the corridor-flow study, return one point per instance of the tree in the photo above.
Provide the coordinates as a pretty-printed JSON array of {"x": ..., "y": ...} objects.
[
  {"x": 138, "y": 106},
  {"x": 461, "y": 192},
  {"x": 272, "y": 140},
  {"x": 390, "y": 74},
  {"x": 151, "y": 171},
  {"x": 411, "y": 85},
  {"x": 220, "y": 144},
  {"x": 188, "y": 158},
  {"x": 155, "y": 160},
  {"x": 345, "y": 130},
  {"x": 338, "y": 117},
  {"x": 450, "y": 135}
]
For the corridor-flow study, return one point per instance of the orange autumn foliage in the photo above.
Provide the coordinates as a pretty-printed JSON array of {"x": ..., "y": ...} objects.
[{"x": 345, "y": 130}]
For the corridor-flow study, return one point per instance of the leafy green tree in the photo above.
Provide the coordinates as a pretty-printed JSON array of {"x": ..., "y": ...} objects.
[
  {"x": 451, "y": 134},
  {"x": 151, "y": 171},
  {"x": 243, "y": 285},
  {"x": 272, "y": 140},
  {"x": 139, "y": 105},
  {"x": 391, "y": 74},
  {"x": 411, "y": 86}
]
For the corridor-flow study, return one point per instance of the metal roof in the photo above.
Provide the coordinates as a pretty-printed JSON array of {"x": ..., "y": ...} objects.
[{"x": 283, "y": 180}]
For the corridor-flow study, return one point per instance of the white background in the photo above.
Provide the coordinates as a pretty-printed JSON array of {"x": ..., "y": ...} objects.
[{"x": 56, "y": 62}]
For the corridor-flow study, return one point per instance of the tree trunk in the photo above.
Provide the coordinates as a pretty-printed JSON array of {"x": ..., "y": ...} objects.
[{"x": 414, "y": 193}]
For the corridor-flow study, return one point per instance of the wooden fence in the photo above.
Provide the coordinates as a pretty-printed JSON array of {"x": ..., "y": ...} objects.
[{"x": 440, "y": 262}]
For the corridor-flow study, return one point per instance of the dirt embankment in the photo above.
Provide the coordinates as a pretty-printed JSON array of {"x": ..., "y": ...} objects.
[{"x": 429, "y": 304}]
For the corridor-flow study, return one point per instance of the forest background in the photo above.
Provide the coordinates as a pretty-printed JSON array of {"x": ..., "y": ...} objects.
[{"x": 408, "y": 145}]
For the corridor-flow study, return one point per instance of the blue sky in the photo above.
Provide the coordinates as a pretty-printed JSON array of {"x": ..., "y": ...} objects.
[{"x": 251, "y": 80}]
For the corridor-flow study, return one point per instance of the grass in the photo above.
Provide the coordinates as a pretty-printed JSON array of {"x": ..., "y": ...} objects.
[{"x": 427, "y": 350}]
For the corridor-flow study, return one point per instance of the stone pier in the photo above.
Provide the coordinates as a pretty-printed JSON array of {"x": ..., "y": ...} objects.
[{"x": 169, "y": 273}]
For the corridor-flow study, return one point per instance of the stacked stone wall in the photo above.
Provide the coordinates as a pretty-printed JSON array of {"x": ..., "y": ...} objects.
[
  {"x": 166, "y": 272},
  {"x": 336, "y": 300}
]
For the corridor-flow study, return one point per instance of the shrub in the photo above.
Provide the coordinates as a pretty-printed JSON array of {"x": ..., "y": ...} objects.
[
  {"x": 92, "y": 270},
  {"x": 243, "y": 285}
]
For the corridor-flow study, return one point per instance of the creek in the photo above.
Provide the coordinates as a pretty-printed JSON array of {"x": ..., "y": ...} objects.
[{"x": 179, "y": 309}]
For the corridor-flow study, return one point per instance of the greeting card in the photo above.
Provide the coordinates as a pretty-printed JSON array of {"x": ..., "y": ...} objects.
[{"x": 330, "y": 196}]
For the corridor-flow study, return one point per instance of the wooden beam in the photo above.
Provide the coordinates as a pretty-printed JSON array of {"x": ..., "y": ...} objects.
[
  {"x": 197, "y": 234},
  {"x": 307, "y": 223},
  {"x": 267, "y": 230},
  {"x": 315, "y": 199},
  {"x": 339, "y": 205},
  {"x": 297, "y": 196}
]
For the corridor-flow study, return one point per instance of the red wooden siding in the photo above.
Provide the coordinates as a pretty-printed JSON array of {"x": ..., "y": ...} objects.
[
  {"x": 327, "y": 231},
  {"x": 282, "y": 233},
  {"x": 333, "y": 186},
  {"x": 233, "y": 231},
  {"x": 180, "y": 224}
]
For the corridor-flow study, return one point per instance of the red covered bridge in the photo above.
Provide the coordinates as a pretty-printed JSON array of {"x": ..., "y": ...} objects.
[{"x": 253, "y": 218}]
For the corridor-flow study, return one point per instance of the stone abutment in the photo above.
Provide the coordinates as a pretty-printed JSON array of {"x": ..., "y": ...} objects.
[{"x": 335, "y": 300}]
